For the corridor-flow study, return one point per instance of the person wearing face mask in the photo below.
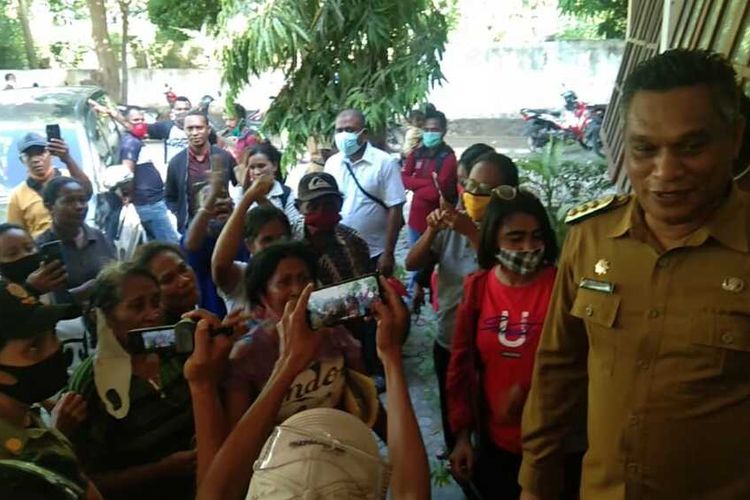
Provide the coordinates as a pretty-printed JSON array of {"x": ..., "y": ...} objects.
[
  {"x": 21, "y": 262},
  {"x": 275, "y": 276},
  {"x": 341, "y": 253},
  {"x": 370, "y": 180},
  {"x": 497, "y": 330},
  {"x": 447, "y": 242},
  {"x": 137, "y": 439},
  {"x": 148, "y": 186},
  {"x": 200, "y": 241},
  {"x": 32, "y": 370},
  {"x": 25, "y": 206}
]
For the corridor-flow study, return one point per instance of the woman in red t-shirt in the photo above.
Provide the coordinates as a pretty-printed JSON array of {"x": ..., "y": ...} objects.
[{"x": 498, "y": 325}]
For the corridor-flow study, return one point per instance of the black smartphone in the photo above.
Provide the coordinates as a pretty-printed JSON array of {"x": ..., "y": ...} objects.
[
  {"x": 52, "y": 251},
  {"x": 53, "y": 132},
  {"x": 343, "y": 301},
  {"x": 178, "y": 338}
]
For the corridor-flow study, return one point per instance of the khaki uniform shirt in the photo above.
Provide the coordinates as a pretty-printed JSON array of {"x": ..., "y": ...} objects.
[
  {"x": 27, "y": 209},
  {"x": 663, "y": 360},
  {"x": 43, "y": 446}
]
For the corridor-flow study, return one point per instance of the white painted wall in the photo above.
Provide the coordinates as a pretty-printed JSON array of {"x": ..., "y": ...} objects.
[{"x": 482, "y": 80}]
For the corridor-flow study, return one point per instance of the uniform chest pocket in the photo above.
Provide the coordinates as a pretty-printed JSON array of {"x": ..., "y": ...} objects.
[
  {"x": 599, "y": 312},
  {"x": 724, "y": 338}
]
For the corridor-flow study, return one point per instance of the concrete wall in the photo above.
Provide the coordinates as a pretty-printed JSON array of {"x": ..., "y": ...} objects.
[
  {"x": 495, "y": 81},
  {"x": 482, "y": 81}
]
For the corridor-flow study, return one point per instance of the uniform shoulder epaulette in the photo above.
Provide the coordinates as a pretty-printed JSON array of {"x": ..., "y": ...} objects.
[{"x": 591, "y": 208}]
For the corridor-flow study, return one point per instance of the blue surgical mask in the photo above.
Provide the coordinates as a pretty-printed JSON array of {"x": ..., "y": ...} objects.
[
  {"x": 432, "y": 139},
  {"x": 348, "y": 142}
]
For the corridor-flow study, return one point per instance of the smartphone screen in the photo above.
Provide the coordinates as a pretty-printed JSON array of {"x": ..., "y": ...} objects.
[
  {"x": 53, "y": 132},
  {"x": 343, "y": 301},
  {"x": 178, "y": 338},
  {"x": 52, "y": 251},
  {"x": 151, "y": 339}
]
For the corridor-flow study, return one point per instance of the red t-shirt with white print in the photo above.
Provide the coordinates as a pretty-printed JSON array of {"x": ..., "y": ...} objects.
[{"x": 508, "y": 331}]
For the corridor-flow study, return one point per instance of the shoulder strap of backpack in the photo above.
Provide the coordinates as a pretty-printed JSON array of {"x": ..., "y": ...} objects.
[{"x": 285, "y": 195}]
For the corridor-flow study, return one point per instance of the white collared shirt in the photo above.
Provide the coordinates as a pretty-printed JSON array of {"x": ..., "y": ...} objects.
[{"x": 379, "y": 174}]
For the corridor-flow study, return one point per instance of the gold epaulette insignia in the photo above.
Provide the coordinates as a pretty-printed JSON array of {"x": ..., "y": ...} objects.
[{"x": 586, "y": 210}]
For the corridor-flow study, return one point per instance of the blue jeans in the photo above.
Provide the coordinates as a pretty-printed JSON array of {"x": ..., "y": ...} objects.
[
  {"x": 155, "y": 221},
  {"x": 412, "y": 235}
]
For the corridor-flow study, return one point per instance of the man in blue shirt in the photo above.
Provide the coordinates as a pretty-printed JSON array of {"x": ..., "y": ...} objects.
[{"x": 148, "y": 186}]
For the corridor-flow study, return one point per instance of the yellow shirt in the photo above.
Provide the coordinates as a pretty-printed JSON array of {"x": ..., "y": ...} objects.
[
  {"x": 663, "y": 361},
  {"x": 27, "y": 209}
]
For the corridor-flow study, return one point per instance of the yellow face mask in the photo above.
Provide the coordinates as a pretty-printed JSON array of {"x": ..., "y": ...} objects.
[{"x": 475, "y": 205}]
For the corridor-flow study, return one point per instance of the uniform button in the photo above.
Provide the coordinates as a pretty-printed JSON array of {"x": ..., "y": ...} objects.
[
  {"x": 14, "y": 445},
  {"x": 727, "y": 337},
  {"x": 653, "y": 313},
  {"x": 589, "y": 310},
  {"x": 633, "y": 468},
  {"x": 633, "y": 420},
  {"x": 642, "y": 364}
]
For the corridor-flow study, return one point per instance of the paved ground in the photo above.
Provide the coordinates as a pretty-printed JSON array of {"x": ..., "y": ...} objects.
[{"x": 424, "y": 392}]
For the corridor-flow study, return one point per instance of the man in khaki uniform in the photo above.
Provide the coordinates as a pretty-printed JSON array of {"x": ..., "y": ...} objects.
[{"x": 650, "y": 316}]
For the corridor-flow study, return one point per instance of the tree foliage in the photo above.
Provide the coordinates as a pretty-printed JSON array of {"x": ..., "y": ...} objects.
[
  {"x": 12, "y": 53},
  {"x": 379, "y": 56},
  {"x": 173, "y": 16},
  {"x": 611, "y": 16}
]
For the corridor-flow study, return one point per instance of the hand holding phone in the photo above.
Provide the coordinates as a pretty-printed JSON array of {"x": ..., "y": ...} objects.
[
  {"x": 52, "y": 251},
  {"x": 178, "y": 338},
  {"x": 53, "y": 132}
]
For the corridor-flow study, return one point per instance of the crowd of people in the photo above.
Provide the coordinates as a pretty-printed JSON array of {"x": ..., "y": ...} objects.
[{"x": 616, "y": 368}]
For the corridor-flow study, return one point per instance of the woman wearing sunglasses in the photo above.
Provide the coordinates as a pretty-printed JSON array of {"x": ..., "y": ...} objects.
[
  {"x": 498, "y": 325},
  {"x": 450, "y": 242}
]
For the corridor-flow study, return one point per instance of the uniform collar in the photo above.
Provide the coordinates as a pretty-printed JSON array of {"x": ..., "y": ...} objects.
[{"x": 728, "y": 225}]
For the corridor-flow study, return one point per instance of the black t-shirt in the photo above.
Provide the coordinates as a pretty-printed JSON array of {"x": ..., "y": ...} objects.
[{"x": 148, "y": 186}]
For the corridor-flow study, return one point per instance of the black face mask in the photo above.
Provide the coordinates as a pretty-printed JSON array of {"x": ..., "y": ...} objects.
[
  {"x": 19, "y": 270},
  {"x": 36, "y": 383}
]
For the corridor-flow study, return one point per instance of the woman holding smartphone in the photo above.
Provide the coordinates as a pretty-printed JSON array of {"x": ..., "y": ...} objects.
[
  {"x": 498, "y": 325},
  {"x": 276, "y": 275},
  {"x": 137, "y": 440}
]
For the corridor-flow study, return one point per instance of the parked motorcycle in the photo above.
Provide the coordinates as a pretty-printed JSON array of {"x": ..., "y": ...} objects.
[{"x": 577, "y": 121}]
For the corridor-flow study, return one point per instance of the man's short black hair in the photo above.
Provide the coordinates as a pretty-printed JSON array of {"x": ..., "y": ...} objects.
[
  {"x": 149, "y": 251},
  {"x": 686, "y": 68},
  {"x": 357, "y": 113},
  {"x": 9, "y": 76},
  {"x": 197, "y": 112},
  {"x": 52, "y": 189},
  {"x": 439, "y": 116},
  {"x": 497, "y": 211},
  {"x": 182, "y": 98},
  {"x": 507, "y": 168}
]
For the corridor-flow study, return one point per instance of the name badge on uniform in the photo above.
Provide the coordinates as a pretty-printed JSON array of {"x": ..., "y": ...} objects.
[{"x": 597, "y": 286}]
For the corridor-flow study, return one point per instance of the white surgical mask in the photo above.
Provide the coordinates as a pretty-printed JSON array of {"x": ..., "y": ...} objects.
[{"x": 347, "y": 142}]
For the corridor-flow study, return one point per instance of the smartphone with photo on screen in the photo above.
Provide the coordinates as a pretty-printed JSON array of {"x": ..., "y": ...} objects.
[{"x": 344, "y": 301}]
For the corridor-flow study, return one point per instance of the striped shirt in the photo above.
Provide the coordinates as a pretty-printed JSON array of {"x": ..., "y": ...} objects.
[{"x": 160, "y": 422}]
